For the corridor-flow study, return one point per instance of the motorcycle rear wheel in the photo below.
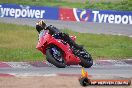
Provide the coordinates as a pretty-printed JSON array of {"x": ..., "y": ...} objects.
[
  {"x": 86, "y": 62},
  {"x": 54, "y": 58}
]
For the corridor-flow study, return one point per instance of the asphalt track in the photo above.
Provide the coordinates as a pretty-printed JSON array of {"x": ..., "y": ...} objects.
[
  {"x": 83, "y": 27},
  {"x": 101, "y": 71},
  {"x": 104, "y": 69}
]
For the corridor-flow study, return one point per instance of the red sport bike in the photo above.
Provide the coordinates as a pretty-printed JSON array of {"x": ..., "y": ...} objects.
[{"x": 60, "y": 54}]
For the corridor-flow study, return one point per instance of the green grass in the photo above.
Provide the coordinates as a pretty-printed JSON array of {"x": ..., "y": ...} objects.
[
  {"x": 125, "y": 5},
  {"x": 17, "y": 43},
  {"x": 55, "y": 3},
  {"x": 105, "y": 46}
]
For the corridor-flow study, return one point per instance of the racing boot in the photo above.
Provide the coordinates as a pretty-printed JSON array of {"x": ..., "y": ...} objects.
[
  {"x": 79, "y": 47},
  {"x": 76, "y": 50}
]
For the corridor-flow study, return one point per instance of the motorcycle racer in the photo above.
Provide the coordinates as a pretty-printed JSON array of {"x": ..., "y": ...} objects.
[{"x": 41, "y": 26}]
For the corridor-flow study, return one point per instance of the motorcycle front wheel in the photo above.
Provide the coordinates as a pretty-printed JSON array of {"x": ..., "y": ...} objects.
[{"x": 55, "y": 56}]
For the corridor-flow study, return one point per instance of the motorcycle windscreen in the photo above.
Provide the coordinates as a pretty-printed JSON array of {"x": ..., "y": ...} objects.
[
  {"x": 42, "y": 33},
  {"x": 41, "y": 38}
]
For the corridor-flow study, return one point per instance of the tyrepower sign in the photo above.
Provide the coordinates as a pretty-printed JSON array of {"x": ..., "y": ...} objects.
[
  {"x": 99, "y": 16},
  {"x": 20, "y": 11},
  {"x": 112, "y": 17}
]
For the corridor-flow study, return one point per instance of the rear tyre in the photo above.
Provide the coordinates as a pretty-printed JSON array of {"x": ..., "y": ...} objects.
[
  {"x": 86, "y": 59},
  {"x": 54, "y": 56}
]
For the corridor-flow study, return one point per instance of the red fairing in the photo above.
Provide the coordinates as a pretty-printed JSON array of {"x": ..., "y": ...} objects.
[
  {"x": 46, "y": 39},
  {"x": 66, "y": 14},
  {"x": 42, "y": 43}
]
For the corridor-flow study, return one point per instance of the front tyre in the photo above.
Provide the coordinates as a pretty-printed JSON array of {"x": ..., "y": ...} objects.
[{"x": 55, "y": 56}]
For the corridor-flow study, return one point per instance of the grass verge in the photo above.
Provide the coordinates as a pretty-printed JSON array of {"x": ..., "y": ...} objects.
[
  {"x": 125, "y": 5},
  {"x": 55, "y": 3},
  {"x": 17, "y": 43}
]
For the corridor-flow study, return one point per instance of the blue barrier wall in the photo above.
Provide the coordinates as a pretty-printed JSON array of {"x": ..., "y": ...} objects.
[
  {"x": 73, "y": 14},
  {"x": 20, "y": 11},
  {"x": 99, "y": 16},
  {"x": 107, "y": 16}
]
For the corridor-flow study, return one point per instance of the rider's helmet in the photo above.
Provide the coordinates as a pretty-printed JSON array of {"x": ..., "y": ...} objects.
[{"x": 40, "y": 25}]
